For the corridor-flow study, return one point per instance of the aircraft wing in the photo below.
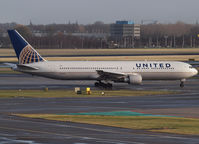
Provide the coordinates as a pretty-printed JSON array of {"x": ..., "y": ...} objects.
[{"x": 113, "y": 76}]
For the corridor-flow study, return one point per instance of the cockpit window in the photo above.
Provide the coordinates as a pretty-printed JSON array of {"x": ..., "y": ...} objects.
[{"x": 190, "y": 67}]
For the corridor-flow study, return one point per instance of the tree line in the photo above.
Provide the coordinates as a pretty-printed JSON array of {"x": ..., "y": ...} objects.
[
  {"x": 97, "y": 35},
  {"x": 178, "y": 35}
]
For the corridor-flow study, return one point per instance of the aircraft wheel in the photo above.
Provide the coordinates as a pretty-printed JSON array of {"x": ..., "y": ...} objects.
[
  {"x": 182, "y": 84},
  {"x": 104, "y": 85},
  {"x": 109, "y": 85},
  {"x": 97, "y": 84}
]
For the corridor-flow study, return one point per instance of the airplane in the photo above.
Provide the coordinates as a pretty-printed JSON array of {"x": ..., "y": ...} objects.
[{"x": 103, "y": 72}]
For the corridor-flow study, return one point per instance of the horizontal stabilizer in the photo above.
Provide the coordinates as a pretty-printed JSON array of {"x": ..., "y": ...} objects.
[
  {"x": 11, "y": 65},
  {"x": 25, "y": 67}
]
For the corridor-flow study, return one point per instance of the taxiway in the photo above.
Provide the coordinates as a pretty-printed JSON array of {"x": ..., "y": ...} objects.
[{"x": 15, "y": 129}]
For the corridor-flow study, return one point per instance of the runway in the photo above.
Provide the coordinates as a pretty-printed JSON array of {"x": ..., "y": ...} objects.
[{"x": 16, "y": 130}]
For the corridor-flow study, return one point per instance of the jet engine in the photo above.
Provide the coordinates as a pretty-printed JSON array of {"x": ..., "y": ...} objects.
[{"x": 134, "y": 79}]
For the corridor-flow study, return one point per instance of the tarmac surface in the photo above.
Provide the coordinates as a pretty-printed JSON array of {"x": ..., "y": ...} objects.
[{"x": 18, "y": 130}]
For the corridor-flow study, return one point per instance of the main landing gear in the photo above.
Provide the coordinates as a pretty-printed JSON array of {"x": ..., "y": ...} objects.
[
  {"x": 182, "y": 83},
  {"x": 103, "y": 85}
]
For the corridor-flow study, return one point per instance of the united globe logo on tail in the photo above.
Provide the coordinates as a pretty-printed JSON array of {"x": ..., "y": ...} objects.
[
  {"x": 25, "y": 52},
  {"x": 29, "y": 55}
]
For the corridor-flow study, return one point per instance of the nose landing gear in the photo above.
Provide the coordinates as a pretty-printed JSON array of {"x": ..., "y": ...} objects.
[{"x": 182, "y": 83}]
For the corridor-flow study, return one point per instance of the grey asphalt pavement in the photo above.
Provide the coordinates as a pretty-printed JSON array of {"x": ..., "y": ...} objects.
[{"x": 18, "y": 130}]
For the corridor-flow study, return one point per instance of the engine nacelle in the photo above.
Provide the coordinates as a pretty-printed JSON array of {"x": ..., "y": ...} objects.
[{"x": 134, "y": 79}]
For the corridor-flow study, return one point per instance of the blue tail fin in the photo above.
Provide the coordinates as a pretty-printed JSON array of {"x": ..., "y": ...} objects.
[{"x": 25, "y": 52}]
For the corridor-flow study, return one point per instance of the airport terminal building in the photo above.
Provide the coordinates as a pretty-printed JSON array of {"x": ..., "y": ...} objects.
[{"x": 124, "y": 33}]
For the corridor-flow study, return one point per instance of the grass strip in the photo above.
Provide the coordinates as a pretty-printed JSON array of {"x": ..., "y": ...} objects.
[
  {"x": 117, "y": 58},
  {"x": 10, "y": 51},
  {"x": 127, "y": 58},
  {"x": 116, "y": 113},
  {"x": 71, "y": 93},
  {"x": 174, "y": 125}
]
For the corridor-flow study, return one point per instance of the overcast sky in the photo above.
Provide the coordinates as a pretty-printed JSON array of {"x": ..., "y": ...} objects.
[{"x": 89, "y": 11}]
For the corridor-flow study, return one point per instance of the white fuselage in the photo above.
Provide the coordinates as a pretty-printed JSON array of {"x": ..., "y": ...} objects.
[{"x": 87, "y": 70}]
